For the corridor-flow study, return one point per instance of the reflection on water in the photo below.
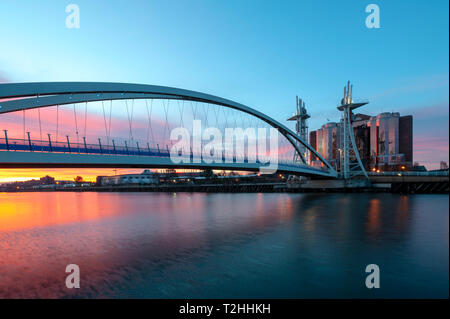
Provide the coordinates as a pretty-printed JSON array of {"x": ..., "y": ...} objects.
[{"x": 185, "y": 245}]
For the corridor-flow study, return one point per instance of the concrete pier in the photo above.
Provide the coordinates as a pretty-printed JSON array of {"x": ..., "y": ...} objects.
[{"x": 388, "y": 183}]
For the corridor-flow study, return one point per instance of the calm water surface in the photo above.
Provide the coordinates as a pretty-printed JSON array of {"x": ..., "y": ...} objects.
[{"x": 158, "y": 245}]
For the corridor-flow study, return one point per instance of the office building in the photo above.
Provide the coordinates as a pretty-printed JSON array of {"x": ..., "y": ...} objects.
[{"x": 384, "y": 141}]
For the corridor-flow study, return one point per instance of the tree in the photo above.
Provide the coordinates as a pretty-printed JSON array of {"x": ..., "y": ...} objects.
[
  {"x": 47, "y": 180},
  {"x": 208, "y": 173},
  {"x": 78, "y": 179}
]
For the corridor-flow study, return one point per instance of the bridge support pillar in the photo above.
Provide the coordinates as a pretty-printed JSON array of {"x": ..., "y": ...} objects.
[
  {"x": 6, "y": 139},
  {"x": 50, "y": 143},
  {"x": 29, "y": 142}
]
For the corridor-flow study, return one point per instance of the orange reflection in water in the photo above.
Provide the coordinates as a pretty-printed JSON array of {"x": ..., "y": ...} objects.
[
  {"x": 113, "y": 236},
  {"x": 28, "y": 210},
  {"x": 373, "y": 217},
  {"x": 403, "y": 213}
]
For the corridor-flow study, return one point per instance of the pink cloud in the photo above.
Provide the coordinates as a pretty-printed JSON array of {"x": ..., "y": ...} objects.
[
  {"x": 431, "y": 133},
  {"x": 95, "y": 124},
  {"x": 431, "y": 150},
  {"x": 4, "y": 78}
]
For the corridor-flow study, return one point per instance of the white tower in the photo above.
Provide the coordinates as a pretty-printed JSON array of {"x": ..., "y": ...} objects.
[
  {"x": 301, "y": 128},
  {"x": 351, "y": 164}
]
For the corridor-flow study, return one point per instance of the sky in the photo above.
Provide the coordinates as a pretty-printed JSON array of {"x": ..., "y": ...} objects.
[{"x": 259, "y": 53}]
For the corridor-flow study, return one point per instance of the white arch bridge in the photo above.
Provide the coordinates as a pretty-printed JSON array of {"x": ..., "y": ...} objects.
[{"x": 52, "y": 145}]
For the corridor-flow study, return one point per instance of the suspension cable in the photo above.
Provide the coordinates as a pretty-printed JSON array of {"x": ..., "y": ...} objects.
[
  {"x": 40, "y": 125},
  {"x": 180, "y": 109},
  {"x": 23, "y": 113},
  {"x": 106, "y": 126},
  {"x": 205, "y": 108},
  {"x": 85, "y": 119},
  {"x": 132, "y": 111},
  {"x": 76, "y": 122},
  {"x": 109, "y": 124},
  {"x": 216, "y": 114},
  {"x": 57, "y": 122},
  {"x": 129, "y": 120},
  {"x": 149, "y": 120},
  {"x": 151, "y": 127},
  {"x": 166, "y": 126}
]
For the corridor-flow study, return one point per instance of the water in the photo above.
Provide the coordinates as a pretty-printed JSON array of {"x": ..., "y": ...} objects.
[{"x": 158, "y": 245}]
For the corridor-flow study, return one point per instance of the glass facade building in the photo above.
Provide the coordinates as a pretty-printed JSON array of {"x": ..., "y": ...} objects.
[{"x": 384, "y": 141}]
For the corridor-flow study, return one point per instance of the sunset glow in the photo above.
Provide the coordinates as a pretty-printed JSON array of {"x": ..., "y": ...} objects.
[
  {"x": 224, "y": 159},
  {"x": 13, "y": 175}
]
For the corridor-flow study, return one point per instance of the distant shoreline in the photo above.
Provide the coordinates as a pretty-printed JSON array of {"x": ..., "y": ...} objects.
[{"x": 242, "y": 188}]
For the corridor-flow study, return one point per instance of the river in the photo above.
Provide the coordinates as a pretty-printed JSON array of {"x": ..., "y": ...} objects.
[{"x": 249, "y": 245}]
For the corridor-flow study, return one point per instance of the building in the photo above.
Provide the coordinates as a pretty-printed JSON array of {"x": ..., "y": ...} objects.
[
  {"x": 145, "y": 178},
  {"x": 384, "y": 141},
  {"x": 361, "y": 130},
  {"x": 326, "y": 141},
  {"x": 406, "y": 138},
  {"x": 391, "y": 144},
  {"x": 166, "y": 176},
  {"x": 47, "y": 180}
]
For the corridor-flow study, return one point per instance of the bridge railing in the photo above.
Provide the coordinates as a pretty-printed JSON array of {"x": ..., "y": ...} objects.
[
  {"x": 402, "y": 173},
  {"x": 69, "y": 147},
  {"x": 81, "y": 148}
]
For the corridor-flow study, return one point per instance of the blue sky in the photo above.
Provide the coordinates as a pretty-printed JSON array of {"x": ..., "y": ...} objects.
[{"x": 259, "y": 53}]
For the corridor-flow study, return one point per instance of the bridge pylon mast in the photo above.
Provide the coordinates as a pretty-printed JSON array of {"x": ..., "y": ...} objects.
[
  {"x": 301, "y": 128},
  {"x": 351, "y": 164}
]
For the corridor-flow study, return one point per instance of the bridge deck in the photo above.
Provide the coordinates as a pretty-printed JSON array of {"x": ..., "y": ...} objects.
[{"x": 18, "y": 153}]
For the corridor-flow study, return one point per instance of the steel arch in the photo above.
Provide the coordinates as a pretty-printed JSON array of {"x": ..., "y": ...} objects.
[{"x": 21, "y": 96}]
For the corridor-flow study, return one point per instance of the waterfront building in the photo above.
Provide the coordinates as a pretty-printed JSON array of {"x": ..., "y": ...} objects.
[
  {"x": 326, "y": 141},
  {"x": 391, "y": 141},
  {"x": 361, "y": 131},
  {"x": 145, "y": 178},
  {"x": 384, "y": 141}
]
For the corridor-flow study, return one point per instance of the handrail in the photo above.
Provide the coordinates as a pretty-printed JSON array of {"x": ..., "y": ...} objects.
[{"x": 93, "y": 149}]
